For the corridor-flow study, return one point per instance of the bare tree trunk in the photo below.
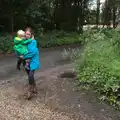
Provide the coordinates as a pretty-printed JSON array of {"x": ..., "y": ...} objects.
[
  {"x": 57, "y": 25},
  {"x": 80, "y": 17},
  {"x": 12, "y": 23},
  {"x": 63, "y": 3},
  {"x": 12, "y": 18},
  {"x": 98, "y": 12},
  {"x": 114, "y": 17}
]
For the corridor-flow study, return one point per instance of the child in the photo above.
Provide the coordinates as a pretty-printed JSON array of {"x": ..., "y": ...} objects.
[{"x": 20, "y": 48}]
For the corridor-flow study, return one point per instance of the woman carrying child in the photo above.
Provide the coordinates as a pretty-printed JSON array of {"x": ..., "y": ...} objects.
[
  {"x": 34, "y": 63},
  {"x": 32, "y": 55}
]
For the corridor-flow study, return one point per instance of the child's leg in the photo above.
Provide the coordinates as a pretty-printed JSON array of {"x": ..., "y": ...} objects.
[
  {"x": 27, "y": 66},
  {"x": 19, "y": 63}
]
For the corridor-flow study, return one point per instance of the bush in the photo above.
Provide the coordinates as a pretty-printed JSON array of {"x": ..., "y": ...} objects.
[
  {"x": 6, "y": 43},
  {"x": 56, "y": 38},
  {"x": 99, "y": 65},
  {"x": 50, "y": 39}
]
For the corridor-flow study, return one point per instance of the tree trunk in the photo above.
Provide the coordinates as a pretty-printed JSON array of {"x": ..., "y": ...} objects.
[
  {"x": 62, "y": 4},
  {"x": 12, "y": 23},
  {"x": 114, "y": 17},
  {"x": 80, "y": 17},
  {"x": 98, "y": 12},
  {"x": 12, "y": 18}
]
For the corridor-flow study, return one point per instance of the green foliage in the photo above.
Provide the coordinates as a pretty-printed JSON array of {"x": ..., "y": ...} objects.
[
  {"x": 6, "y": 44},
  {"x": 55, "y": 39},
  {"x": 51, "y": 39},
  {"x": 99, "y": 65},
  {"x": 40, "y": 12},
  {"x": 47, "y": 13}
]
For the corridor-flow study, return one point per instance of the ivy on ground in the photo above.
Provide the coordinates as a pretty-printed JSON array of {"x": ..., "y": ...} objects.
[{"x": 99, "y": 65}]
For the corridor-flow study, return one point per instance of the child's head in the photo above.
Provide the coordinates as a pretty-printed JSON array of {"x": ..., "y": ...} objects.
[{"x": 21, "y": 34}]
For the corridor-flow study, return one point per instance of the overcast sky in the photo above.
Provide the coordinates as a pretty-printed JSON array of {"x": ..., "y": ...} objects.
[
  {"x": 94, "y": 3},
  {"x": 102, "y": 0}
]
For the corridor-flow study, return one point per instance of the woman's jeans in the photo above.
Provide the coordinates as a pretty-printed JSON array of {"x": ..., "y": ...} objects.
[{"x": 29, "y": 72}]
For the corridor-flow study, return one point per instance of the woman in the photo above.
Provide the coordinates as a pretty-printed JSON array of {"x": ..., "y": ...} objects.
[{"x": 34, "y": 63}]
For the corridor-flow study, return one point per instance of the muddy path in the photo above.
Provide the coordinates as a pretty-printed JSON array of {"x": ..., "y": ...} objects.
[
  {"x": 57, "y": 98},
  {"x": 49, "y": 57}
]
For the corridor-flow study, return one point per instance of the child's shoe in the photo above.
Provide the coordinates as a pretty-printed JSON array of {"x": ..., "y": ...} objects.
[{"x": 27, "y": 66}]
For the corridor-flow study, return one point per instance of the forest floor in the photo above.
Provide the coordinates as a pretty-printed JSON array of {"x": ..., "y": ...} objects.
[{"x": 57, "y": 98}]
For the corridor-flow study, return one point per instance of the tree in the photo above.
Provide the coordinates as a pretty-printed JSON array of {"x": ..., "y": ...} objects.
[
  {"x": 110, "y": 12},
  {"x": 10, "y": 10},
  {"x": 98, "y": 12}
]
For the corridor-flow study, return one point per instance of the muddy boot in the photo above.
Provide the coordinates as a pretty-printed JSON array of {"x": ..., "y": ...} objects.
[
  {"x": 28, "y": 94},
  {"x": 34, "y": 89}
]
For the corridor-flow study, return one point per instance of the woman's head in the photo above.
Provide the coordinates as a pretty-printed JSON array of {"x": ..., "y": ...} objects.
[{"x": 28, "y": 33}]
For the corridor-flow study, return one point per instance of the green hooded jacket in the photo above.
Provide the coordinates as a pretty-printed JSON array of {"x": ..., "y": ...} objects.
[{"x": 20, "y": 45}]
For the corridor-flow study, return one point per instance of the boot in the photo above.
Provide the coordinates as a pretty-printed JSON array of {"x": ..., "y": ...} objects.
[
  {"x": 28, "y": 94},
  {"x": 34, "y": 89}
]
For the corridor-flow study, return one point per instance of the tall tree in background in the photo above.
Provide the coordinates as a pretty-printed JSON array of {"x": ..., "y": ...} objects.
[
  {"x": 70, "y": 13},
  {"x": 111, "y": 12},
  {"x": 98, "y": 12},
  {"x": 107, "y": 14},
  {"x": 115, "y": 12},
  {"x": 16, "y": 14},
  {"x": 11, "y": 12}
]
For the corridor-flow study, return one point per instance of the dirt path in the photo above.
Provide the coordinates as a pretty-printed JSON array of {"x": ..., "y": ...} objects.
[
  {"x": 57, "y": 98},
  {"x": 49, "y": 58}
]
